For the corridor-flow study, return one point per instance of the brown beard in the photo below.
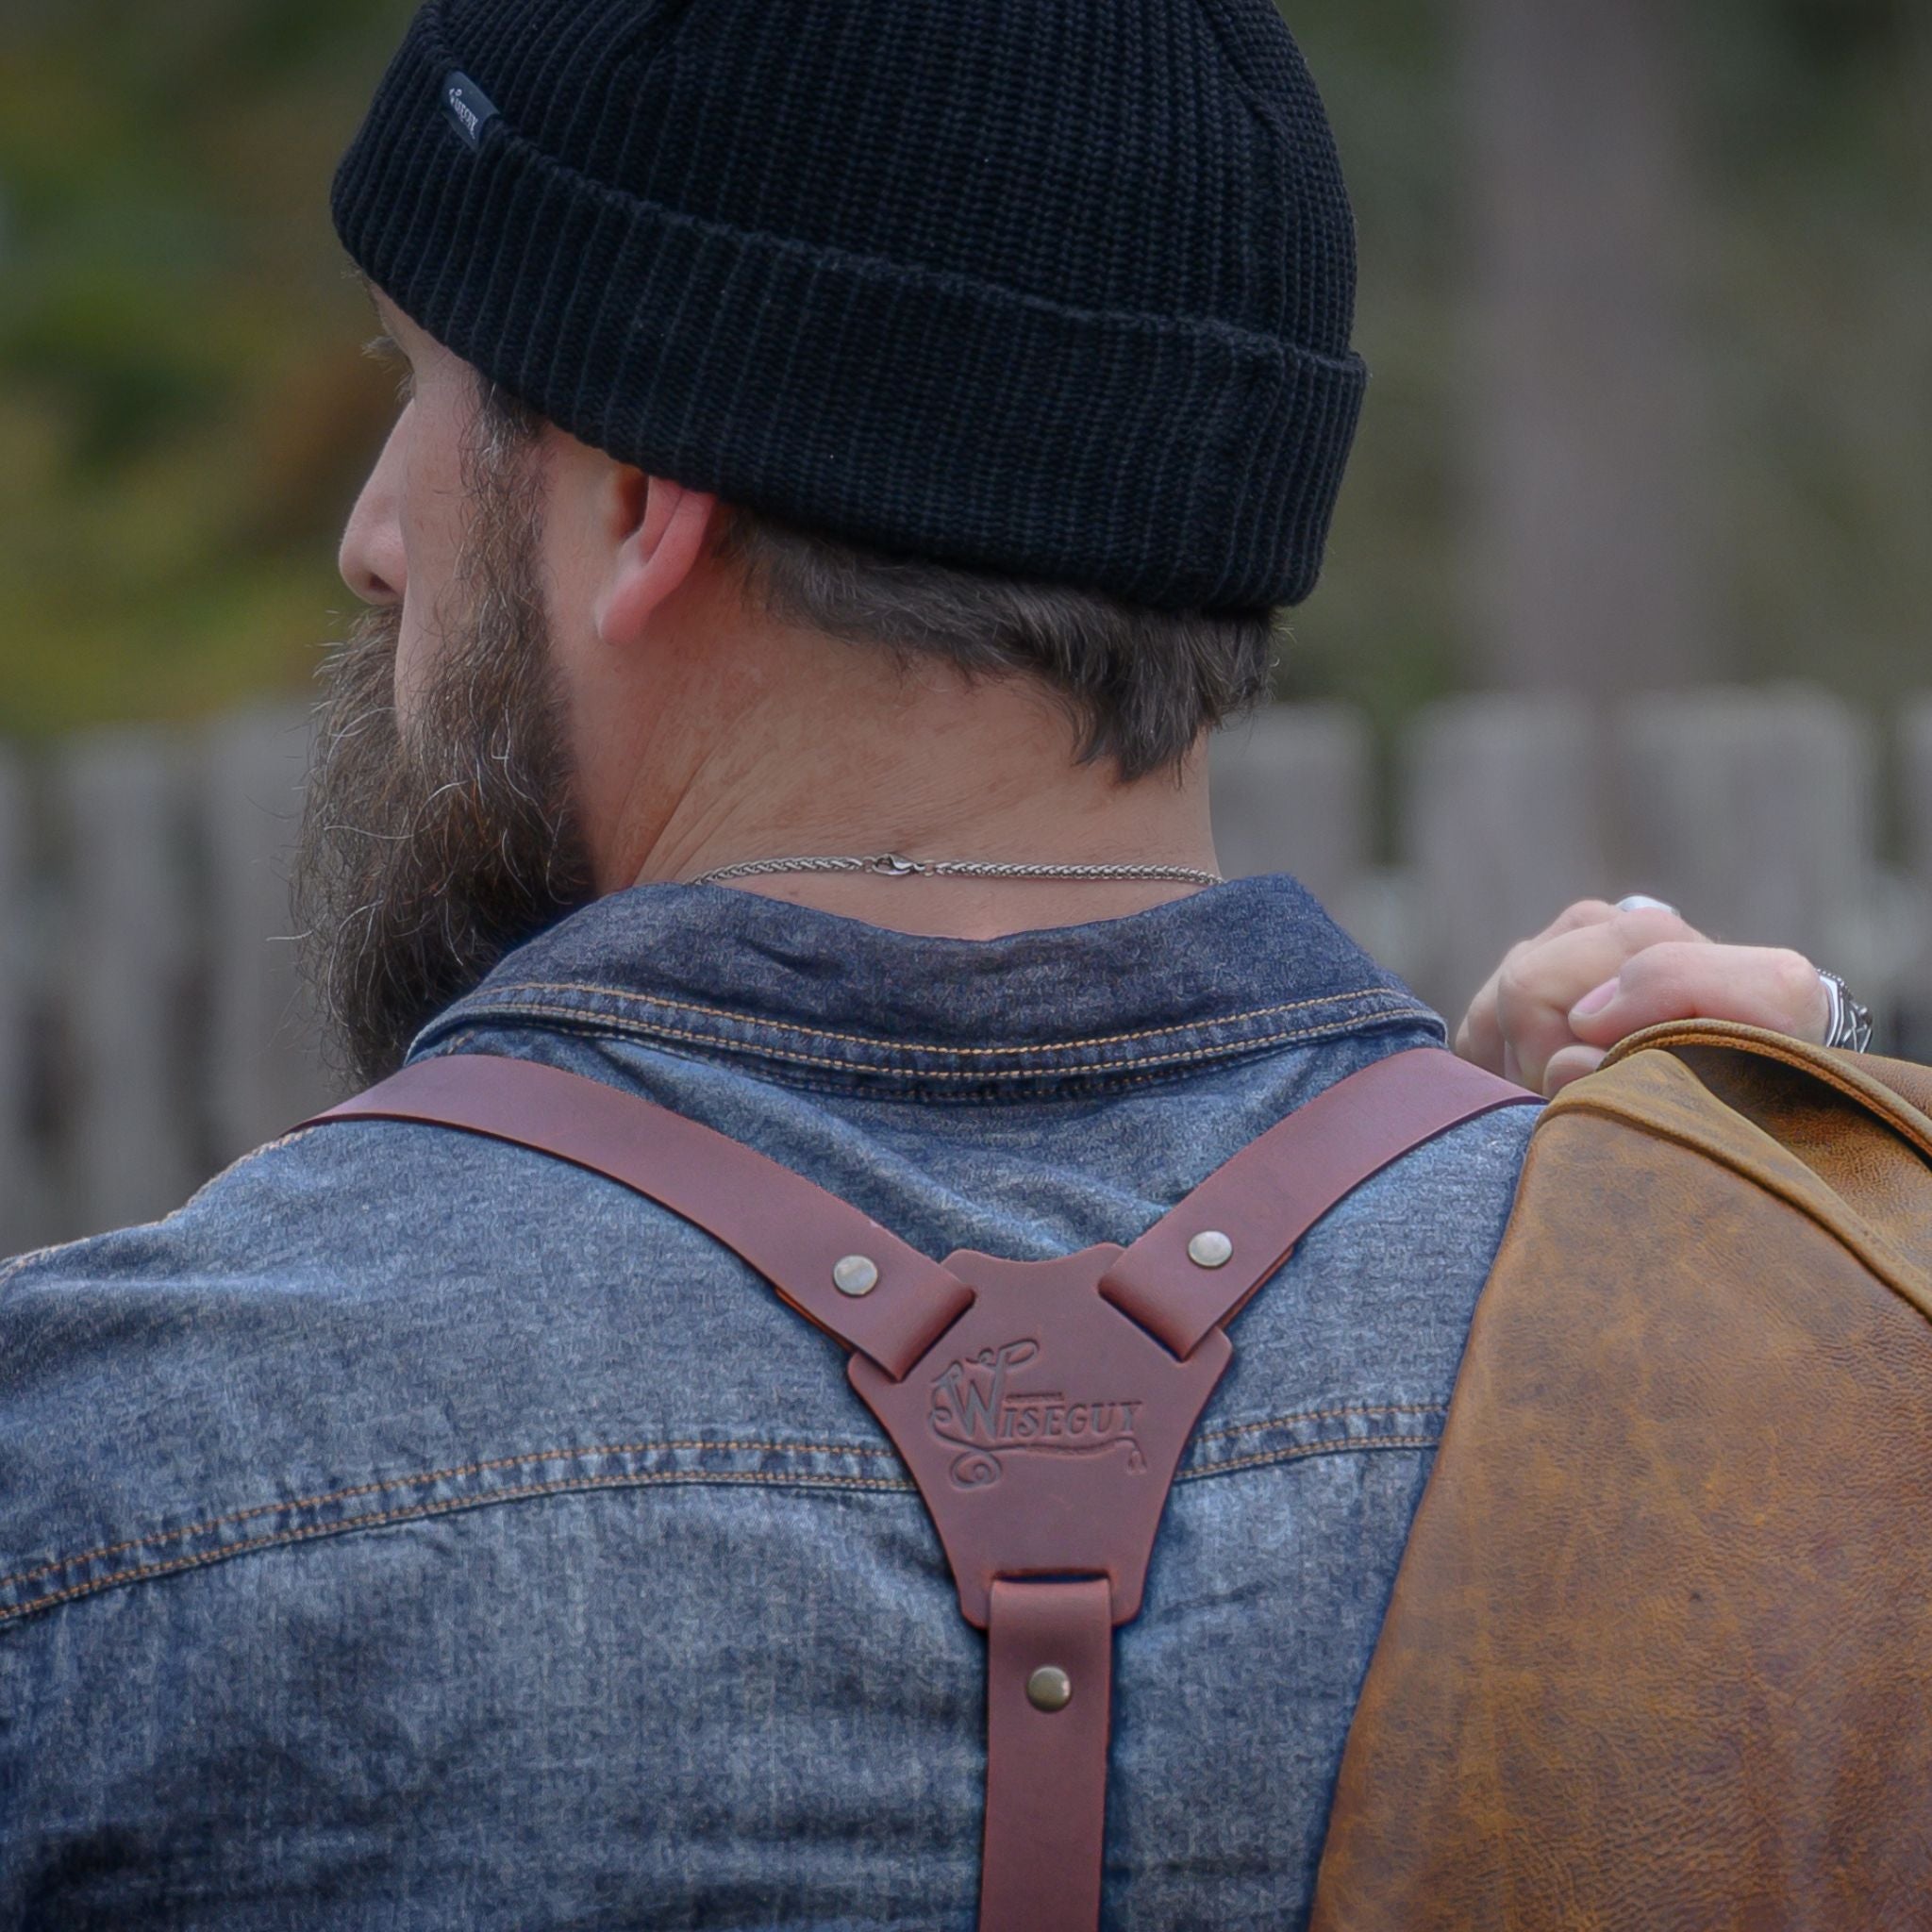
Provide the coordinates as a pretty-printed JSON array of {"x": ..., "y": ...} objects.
[{"x": 425, "y": 858}]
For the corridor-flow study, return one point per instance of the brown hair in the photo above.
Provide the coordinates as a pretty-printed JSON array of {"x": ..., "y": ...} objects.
[{"x": 1138, "y": 684}]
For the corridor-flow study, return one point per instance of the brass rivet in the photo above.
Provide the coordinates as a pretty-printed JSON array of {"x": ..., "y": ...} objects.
[
  {"x": 855, "y": 1274},
  {"x": 1049, "y": 1689},
  {"x": 1210, "y": 1250}
]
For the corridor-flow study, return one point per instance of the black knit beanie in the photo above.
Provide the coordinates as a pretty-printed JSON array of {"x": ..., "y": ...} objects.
[{"x": 1059, "y": 288}]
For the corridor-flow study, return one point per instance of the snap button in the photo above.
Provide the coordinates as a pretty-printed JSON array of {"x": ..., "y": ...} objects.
[
  {"x": 857, "y": 1274},
  {"x": 1049, "y": 1689},
  {"x": 1211, "y": 1249}
]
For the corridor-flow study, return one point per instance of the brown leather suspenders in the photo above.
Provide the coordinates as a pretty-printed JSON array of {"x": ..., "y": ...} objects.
[{"x": 1042, "y": 1407}]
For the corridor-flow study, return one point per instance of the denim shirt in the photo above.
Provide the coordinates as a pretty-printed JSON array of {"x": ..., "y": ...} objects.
[{"x": 414, "y": 1530}]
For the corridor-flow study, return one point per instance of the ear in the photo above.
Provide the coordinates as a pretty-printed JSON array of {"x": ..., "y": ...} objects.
[{"x": 658, "y": 529}]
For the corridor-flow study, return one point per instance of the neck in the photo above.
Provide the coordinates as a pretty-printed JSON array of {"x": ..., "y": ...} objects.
[{"x": 840, "y": 756}]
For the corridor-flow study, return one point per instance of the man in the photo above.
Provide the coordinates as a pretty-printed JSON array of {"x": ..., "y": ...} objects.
[{"x": 834, "y": 431}]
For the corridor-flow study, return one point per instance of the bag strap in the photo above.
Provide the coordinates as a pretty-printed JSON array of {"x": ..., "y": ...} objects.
[{"x": 1046, "y": 1760}]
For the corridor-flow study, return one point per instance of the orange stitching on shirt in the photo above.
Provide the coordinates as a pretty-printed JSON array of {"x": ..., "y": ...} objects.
[
  {"x": 606, "y": 1023},
  {"x": 577, "y": 1485},
  {"x": 1339, "y": 1445},
  {"x": 422, "y": 1480},
  {"x": 638, "y": 1478},
  {"x": 564, "y": 1484},
  {"x": 958, "y": 1052},
  {"x": 556, "y": 1455},
  {"x": 1322, "y": 1415}
]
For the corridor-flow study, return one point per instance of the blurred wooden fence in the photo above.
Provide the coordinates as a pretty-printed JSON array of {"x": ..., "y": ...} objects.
[{"x": 151, "y": 1028}]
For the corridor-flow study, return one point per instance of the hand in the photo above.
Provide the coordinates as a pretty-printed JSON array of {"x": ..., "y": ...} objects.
[{"x": 1560, "y": 1002}]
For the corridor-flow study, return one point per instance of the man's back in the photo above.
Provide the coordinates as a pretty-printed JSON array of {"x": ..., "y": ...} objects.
[{"x": 272, "y": 1657}]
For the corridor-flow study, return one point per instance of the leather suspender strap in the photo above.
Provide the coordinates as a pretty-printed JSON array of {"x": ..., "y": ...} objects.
[
  {"x": 1268, "y": 1197},
  {"x": 1049, "y": 1549},
  {"x": 791, "y": 1231},
  {"x": 1045, "y": 1759},
  {"x": 794, "y": 1233}
]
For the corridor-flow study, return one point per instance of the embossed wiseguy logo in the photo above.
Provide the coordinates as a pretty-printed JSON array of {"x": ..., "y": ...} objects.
[{"x": 977, "y": 1409}]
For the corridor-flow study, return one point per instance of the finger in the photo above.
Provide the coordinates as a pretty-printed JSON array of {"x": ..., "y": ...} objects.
[
  {"x": 1480, "y": 1035},
  {"x": 1512, "y": 1070},
  {"x": 1573, "y": 918},
  {"x": 1760, "y": 986},
  {"x": 1540, "y": 984},
  {"x": 1572, "y": 1063}
]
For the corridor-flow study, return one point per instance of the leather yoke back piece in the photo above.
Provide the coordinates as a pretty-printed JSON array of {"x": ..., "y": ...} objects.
[
  {"x": 1659, "y": 1653},
  {"x": 1042, "y": 1407}
]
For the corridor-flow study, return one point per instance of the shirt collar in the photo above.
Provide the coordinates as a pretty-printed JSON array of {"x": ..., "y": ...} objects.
[{"x": 707, "y": 969}]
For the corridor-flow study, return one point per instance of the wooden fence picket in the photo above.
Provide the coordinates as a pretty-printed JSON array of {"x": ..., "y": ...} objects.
[
  {"x": 262, "y": 1055},
  {"x": 1914, "y": 964},
  {"x": 1291, "y": 789},
  {"x": 149, "y": 1006},
  {"x": 123, "y": 966},
  {"x": 1502, "y": 830},
  {"x": 26, "y": 1216},
  {"x": 1755, "y": 814}
]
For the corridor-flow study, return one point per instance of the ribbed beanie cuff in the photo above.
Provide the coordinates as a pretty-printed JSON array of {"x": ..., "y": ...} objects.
[{"x": 1176, "y": 461}]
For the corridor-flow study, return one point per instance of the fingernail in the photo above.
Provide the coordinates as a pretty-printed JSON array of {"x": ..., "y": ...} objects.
[{"x": 1592, "y": 1004}]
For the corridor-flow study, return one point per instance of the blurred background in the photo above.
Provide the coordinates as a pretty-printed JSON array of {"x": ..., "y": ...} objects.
[{"x": 1627, "y": 589}]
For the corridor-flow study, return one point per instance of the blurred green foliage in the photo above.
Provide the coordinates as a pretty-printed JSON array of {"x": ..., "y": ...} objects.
[
  {"x": 1817, "y": 312},
  {"x": 184, "y": 414},
  {"x": 1811, "y": 297},
  {"x": 183, "y": 409}
]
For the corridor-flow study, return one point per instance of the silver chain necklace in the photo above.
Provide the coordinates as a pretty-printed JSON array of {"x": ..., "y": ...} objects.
[{"x": 891, "y": 865}]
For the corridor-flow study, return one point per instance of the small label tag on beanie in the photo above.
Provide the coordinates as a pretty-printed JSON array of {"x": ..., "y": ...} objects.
[{"x": 470, "y": 108}]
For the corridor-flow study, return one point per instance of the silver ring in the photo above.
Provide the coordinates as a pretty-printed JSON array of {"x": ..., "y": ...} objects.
[
  {"x": 1850, "y": 1027},
  {"x": 1643, "y": 902}
]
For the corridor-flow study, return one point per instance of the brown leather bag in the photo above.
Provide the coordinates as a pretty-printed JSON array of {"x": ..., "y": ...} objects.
[{"x": 1660, "y": 1648}]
